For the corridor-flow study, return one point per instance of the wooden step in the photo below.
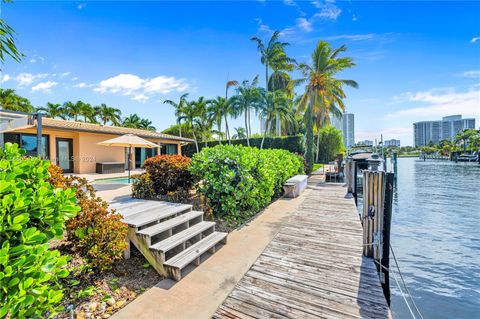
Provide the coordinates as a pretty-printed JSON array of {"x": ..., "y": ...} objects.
[
  {"x": 170, "y": 223},
  {"x": 138, "y": 207},
  {"x": 175, "y": 265},
  {"x": 181, "y": 238},
  {"x": 150, "y": 216}
]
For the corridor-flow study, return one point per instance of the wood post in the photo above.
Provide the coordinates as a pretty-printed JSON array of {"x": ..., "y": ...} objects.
[
  {"x": 387, "y": 222},
  {"x": 350, "y": 176},
  {"x": 372, "y": 217}
]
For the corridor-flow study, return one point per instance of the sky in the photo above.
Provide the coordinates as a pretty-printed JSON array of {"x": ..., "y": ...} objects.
[{"x": 414, "y": 60}]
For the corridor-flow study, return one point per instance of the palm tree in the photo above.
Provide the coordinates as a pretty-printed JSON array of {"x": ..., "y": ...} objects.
[
  {"x": 324, "y": 92},
  {"x": 273, "y": 56},
  {"x": 247, "y": 97},
  {"x": 217, "y": 110},
  {"x": 88, "y": 112},
  {"x": 240, "y": 133},
  {"x": 53, "y": 110},
  {"x": 227, "y": 86},
  {"x": 202, "y": 119},
  {"x": 273, "y": 106},
  {"x": 108, "y": 114},
  {"x": 73, "y": 110},
  {"x": 178, "y": 109},
  {"x": 9, "y": 100},
  {"x": 132, "y": 121},
  {"x": 146, "y": 124},
  {"x": 189, "y": 115}
]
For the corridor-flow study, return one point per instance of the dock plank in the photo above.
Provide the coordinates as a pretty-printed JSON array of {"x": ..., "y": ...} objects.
[{"x": 313, "y": 267}]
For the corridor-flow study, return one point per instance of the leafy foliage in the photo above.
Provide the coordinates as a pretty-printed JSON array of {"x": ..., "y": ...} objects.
[
  {"x": 96, "y": 232},
  {"x": 32, "y": 212},
  {"x": 331, "y": 143},
  {"x": 238, "y": 181},
  {"x": 169, "y": 173},
  {"x": 142, "y": 186},
  {"x": 294, "y": 144},
  {"x": 9, "y": 100}
]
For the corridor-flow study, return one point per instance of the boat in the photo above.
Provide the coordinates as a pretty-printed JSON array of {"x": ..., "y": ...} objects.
[{"x": 467, "y": 158}]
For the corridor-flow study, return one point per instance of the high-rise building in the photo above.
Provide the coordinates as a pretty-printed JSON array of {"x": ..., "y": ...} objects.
[
  {"x": 346, "y": 124},
  {"x": 365, "y": 143},
  {"x": 435, "y": 131},
  {"x": 392, "y": 142}
]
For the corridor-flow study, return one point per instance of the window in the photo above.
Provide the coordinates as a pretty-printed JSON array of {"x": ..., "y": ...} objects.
[
  {"x": 29, "y": 143},
  {"x": 170, "y": 149}
]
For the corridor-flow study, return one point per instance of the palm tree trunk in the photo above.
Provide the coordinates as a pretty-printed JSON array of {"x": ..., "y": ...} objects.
[
  {"x": 318, "y": 146},
  {"x": 264, "y": 134},
  {"x": 246, "y": 126},
  {"x": 195, "y": 138},
  {"x": 219, "y": 132},
  {"x": 227, "y": 131},
  {"x": 180, "y": 128},
  {"x": 249, "y": 131}
]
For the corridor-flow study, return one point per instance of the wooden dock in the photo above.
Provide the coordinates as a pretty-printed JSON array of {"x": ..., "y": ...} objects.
[{"x": 313, "y": 267}]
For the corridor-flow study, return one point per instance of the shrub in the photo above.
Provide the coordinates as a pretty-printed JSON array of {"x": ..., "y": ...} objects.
[
  {"x": 294, "y": 144},
  {"x": 331, "y": 143},
  {"x": 239, "y": 181},
  {"x": 32, "y": 212},
  {"x": 169, "y": 173},
  {"x": 142, "y": 186},
  {"x": 96, "y": 232}
]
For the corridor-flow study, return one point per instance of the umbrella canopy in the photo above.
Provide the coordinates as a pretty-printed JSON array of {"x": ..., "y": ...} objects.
[{"x": 128, "y": 140}]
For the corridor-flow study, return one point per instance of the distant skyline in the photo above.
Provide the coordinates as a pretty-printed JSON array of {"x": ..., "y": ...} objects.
[{"x": 415, "y": 60}]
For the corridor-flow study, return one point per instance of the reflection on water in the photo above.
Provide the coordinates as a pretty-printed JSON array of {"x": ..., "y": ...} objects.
[{"x": 436, "y": 237}]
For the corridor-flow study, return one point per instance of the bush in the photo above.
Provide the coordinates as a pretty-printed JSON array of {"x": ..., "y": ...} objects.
[
  {"x": 169, "y": 173},
  {"x": 238, "y": 181},
  {"x": 96, "y": 232},
  {"x": 32, "y": 212},
  {"x": 294, "y": 144},
  {"x": 142, "y": 186}
]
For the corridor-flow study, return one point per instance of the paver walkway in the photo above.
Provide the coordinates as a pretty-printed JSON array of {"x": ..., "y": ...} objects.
[{"x": 313, "y": 268}]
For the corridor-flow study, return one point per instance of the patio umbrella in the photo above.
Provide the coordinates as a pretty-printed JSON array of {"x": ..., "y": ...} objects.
[{"x": 128, "y": 140}]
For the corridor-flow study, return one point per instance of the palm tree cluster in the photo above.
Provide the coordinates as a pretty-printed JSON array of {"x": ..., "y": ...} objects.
[
  {"x": 281, "y": 111},
  {"x": 101, "y": 114}
]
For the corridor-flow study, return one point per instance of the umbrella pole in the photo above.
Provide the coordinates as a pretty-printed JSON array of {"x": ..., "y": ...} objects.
[{"x": 129, "y": 162}]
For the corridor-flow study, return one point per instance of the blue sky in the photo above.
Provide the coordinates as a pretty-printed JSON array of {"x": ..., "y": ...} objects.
[{"x": 415, "y": 60}]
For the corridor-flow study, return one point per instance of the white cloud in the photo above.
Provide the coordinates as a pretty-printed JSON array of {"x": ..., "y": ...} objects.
[
  {"x": 328, "y": 10},
  {"x": 304, "y": 24},
  {"x": 64, "y": 74},
  {"x": 74, "y": 78},
  {"x": 352, "y": 37},
  {"x": 44, "y": 86},
  {"x": 470, "y": 74},
  {"x": 33, "y": 60},
  {"x": 439, "y": 103},
  {"x": 25, "y": 79},
  {"x": 141, "y": 89},
  {"x": 82, "y": 85},
  {"x": 5, "y": 78},
  {"x": 474, "y": 39}
]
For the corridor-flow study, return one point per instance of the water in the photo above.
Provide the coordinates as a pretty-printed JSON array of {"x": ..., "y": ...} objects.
[
  {"x": 116, "y": 180},
  {"x": 436, "y": 237}
]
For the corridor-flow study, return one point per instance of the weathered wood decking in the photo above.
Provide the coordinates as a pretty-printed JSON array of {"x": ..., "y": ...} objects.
[{"x": 313, "y": 268}]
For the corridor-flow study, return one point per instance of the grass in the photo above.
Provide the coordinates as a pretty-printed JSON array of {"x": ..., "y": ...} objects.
[{"x": 317, "y": 166}]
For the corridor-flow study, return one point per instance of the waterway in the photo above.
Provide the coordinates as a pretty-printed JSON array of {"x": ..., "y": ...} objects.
[{"x": 436, "y": 237}]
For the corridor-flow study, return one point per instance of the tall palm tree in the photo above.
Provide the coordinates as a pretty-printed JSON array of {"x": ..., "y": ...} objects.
[
  {"x": 178, "y": 109},
  {"x": 53, "y": 110},
  {"x": 73, "y": 110},
  {"x": 240, "y": 133},
  {"x": 108, "y": 114},
  {"x": 324, "y": 91},
  {"x": 246, "y": 99},
  {"x": 273, "y": 106},
  {"x": 146, "y": 124},
  {"x": 217, "y": 111},
  {"x": 189, "y": 115},
  {"x": 272, "y": 55},
  {"x": 202, "y": 120},
  {"x": 227, "y": 86},
  {"x": 88, "y": 112}
]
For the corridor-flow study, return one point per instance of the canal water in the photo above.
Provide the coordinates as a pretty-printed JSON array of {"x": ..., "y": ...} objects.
[{"x": 436, "y": 238}]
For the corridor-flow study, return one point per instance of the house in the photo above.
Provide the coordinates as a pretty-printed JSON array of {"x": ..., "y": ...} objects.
[{"x": 73, "y": 145}]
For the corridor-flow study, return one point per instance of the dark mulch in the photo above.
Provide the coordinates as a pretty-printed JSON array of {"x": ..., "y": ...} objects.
[{"x": 93, "y": 294}]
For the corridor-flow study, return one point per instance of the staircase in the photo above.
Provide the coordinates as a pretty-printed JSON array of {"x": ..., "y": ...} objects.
[{"x": 170, "y": 236}]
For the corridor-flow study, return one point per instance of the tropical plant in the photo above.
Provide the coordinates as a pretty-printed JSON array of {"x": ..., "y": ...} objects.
[
  {"x": 7, "y": 42},
  {"x": 175, "y": 129},
  {"x": 53, "y": 110},
  {"x": 9, "y": 100},
  {"x": 217, "y": 110},
  {"x": 178, "y": 109},
  {"x": 247, "y": 98},
  {"x": 88, "y": 112},
  {"x": 132, "y": 121},
  {"x": 169, "y": 173},
  {"x": 273, "y": 106},
  {"x": 464, "y": 137},
  {"x": 324, "y": 92},
  {"x": 73, "y": 110},
  {"x": 228, "y": 85},
  {"x": 32, "y": 213},
  {"x": 203, "y": 122},
  {"x": 108, "y": 114},
  {"x": 331, "y": 143},
  {"x": 240, "y": 133},
  {"x": 146, "y": 124}
]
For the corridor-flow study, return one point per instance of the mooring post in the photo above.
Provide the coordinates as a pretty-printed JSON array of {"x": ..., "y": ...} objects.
[
  {"x": 373, "y": 201},
  {"x": 394, "y": 160},
  {"x": 387, "y": 223}
]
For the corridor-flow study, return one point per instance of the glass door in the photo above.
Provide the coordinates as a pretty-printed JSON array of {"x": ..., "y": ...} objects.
[{"x": 65, "y": 154}]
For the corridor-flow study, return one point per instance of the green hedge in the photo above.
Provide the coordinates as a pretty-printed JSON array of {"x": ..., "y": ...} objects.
[
  {"x": 238, "y": 181},
  {"x": 294, "y": 144}
]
